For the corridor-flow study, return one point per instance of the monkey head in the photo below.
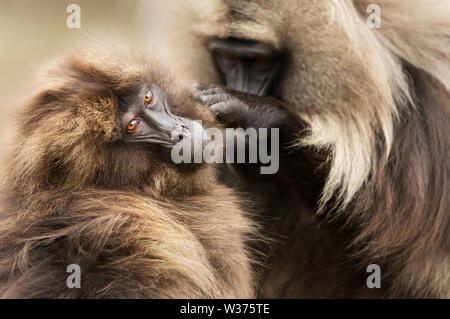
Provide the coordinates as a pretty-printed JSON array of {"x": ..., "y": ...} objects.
[{"x": 107, "y": 118}]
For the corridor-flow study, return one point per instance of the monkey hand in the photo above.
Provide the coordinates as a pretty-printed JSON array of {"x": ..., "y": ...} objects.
[
  {"x": 238, "y": 109},
  {"x": 226, "y": 107}
]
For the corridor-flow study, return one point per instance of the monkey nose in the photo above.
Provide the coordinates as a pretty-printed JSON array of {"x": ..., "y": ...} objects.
[
  {"x": 180, "y": 132},
  {"x": 188, "y": 132}
]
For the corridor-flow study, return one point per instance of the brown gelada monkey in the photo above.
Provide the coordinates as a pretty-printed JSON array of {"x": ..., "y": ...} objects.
[{"x": 90, "y": 181}]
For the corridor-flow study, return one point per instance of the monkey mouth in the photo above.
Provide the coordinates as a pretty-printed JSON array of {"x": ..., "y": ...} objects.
[{"x": 179, "y": 131}]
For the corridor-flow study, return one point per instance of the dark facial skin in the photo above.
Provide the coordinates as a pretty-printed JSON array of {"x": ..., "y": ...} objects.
[
  {"x": 147, "y": 117},
  {"x": 248, "y": 66}
]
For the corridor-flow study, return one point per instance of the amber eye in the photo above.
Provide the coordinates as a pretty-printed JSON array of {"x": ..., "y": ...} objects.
[
  {"x": 148, "y": 97},
  {"x": 133, "y": 125},
  {"x": 228, "y": 59},
  {"x": 262, "y": 62}
]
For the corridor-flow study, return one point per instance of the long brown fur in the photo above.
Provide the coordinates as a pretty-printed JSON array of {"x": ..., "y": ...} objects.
[
  {"x": 138, "y": 226},
  {"x": 378, "y": 101}
]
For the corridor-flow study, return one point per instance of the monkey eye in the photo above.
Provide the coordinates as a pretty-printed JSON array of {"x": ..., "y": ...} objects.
[
  {"x": 228, "y": 59},
  {"x": 133, "y": 126},
  {"x": 262, "y": 63},
  {"x": 148, "y": 97}
]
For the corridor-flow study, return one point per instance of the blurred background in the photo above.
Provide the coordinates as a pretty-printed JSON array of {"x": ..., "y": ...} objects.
[{"x": 33, "y": 32}]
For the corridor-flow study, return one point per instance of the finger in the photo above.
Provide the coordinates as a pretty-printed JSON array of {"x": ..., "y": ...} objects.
[
  {"x": 214, "y": 98},
  {"x": 221, "y": 108}
]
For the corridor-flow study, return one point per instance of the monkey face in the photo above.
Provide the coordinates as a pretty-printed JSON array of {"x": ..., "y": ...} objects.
[
  {"x": 155, "y": 121},
  {"x": 147, "y": 115}
]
